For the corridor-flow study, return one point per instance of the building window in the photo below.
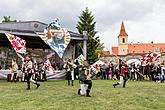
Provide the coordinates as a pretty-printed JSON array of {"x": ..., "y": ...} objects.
[
  {"x": 123, "y": 40},
  {"x": 157, "y": 49}
]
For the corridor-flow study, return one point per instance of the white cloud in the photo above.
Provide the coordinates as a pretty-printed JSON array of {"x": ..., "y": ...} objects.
[{"x": 144, "y": 19}]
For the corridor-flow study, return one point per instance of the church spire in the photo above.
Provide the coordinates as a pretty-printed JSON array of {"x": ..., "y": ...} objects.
[{"x": 122, "y": 30}]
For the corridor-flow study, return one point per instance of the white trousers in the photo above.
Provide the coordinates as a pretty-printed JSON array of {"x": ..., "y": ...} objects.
[
  {"x": 41, "y": 76},
  {"x": 12, "y": 76},
  {"x": 110, "y": 76},
  {"x": 83, "y": 90},
  {"x": 23, "y": 76},
  {"x": 121, "y": 80},
  {"x": 72, "y": 75},
  {"x": 31, "y": 79}
]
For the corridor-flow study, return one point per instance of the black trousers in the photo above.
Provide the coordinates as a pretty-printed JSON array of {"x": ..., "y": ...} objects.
[
  {"x": 69, "y": 77},
  {"x": 125, "y": 78},
  {"x": 14, "y": 77},
  {"x": 29, "y": 75},
  {"x": 89, "y": 83},
  {"x": 138, "y": 77}
]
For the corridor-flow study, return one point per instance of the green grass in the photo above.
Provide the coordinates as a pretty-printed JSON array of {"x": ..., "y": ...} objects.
[{"x": 56, "y": 95}]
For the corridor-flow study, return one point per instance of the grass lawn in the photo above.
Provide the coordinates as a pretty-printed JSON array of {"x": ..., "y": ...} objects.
[{"x": 56, "y": 95}]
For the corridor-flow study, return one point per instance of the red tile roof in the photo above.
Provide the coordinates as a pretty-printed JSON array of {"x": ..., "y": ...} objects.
[
  {"x": 105, "y": 53},
  {"x": 141, "y": 48},
  {"x": 145, "y": 47},
  {"x": 114, "y": 50}
]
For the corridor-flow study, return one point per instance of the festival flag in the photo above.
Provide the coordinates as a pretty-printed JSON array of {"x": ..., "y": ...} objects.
[
  {"x": 157, "y": 57},
  {"x": 56, "y": 37},
  {"x": 48, "y": 67},
  {"x": 18, "y": 44},
  {"x": 80, "y": 59},
  {"x": 150, "y": 57},
  {"x": 146, "y": 59}
]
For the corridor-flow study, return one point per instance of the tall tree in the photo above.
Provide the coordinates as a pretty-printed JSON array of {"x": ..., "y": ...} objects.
[
  {"x": 7, "y": 19},
  {"x": 86, "y": 23}
]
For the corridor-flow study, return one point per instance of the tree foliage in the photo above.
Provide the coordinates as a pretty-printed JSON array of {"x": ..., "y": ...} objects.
[
  {"x": 86, "y": 23},
  {"x": 7, "y": 19}
]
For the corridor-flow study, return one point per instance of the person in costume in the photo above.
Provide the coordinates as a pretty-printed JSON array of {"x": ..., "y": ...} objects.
[
  {"x": 69, "y": 68},
  {"x": 68, "y": 72},
  {"x": 86, "y": 73},
  {"x": 24, "y": 72},
  {"x": 30, "y": 71},
  {"x": 14, "y": 69},
  {"x": 123, "y": 76},
  {"x": 82, "y": 78},
  {"x": 35, "y": 68}
]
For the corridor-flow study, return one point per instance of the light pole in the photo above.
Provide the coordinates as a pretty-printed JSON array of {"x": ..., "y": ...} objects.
[{"x": 85, "y": 44}]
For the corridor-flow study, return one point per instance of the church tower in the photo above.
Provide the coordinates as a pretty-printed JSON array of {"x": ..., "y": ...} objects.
[{"x": 122, "y": 41}]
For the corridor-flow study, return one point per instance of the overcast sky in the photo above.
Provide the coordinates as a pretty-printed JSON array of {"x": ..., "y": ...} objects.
[{"x": 144, "y": 19}]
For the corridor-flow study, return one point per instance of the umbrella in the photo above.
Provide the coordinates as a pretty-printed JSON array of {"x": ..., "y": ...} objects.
[
  {"x": 99, "y": 62},
  {"x": 133, "y": 61}
]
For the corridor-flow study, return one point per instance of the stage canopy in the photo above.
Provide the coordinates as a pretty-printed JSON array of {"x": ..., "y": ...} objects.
[{"x": 27, "y": 31}]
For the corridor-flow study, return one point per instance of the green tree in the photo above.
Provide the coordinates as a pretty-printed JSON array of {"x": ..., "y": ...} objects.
[
  {"x": 86, "y": 23},
  {"x": 7, "y": 19}
]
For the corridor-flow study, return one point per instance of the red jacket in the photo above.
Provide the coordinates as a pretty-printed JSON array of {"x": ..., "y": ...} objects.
[
  {"x": 126, "y": 69},
  {"x": 122, "y": 71}
]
